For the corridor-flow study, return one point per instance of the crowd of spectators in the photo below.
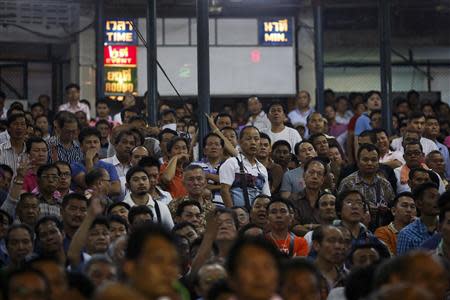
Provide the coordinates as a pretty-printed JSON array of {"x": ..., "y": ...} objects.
[{"x": 281, "y": 204}]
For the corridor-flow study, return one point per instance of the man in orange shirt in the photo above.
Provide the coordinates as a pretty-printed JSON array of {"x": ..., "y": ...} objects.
[
  {"x": 172, "y": 171},
  {"x": 404, "y": 211},
  {"x": 280, "y": 218}
]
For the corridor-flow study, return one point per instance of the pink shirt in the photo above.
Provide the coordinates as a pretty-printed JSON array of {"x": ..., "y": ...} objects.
[
  {"x": 30, "y": 181},
  {"x": 73, "y": 109}
]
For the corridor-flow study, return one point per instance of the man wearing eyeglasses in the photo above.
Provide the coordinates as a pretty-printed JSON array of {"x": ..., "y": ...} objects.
[
  {"x": 377, "y": 191},
  {"x": 350, "y": 208}
]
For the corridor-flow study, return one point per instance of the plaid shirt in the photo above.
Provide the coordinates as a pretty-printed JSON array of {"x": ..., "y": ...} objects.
[
  {"x": 412, "y": 236},
  {"x": 379, "y": 191}
]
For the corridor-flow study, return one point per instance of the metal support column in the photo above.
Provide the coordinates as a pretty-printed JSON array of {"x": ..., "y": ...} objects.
[
  {"x": 203, "y": 67},
  {"x": 318, "y": 55},
  {"x": 100, "y": 33},
  {"x": 384, "y": 28},
  {"x": 152, "y": 71}
]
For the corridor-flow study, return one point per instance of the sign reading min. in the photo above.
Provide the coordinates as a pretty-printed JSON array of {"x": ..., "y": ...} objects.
[
  {"x": 275, "y": 31},
  {"x": 120, "y": 31}
]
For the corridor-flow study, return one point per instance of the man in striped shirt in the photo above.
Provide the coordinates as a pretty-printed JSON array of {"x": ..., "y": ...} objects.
[
  {"x": 11, "y": 150},
  {"x": 64, "y": 146}
]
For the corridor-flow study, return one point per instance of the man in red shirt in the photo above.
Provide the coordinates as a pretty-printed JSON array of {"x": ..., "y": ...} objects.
[{"x": 280, "y": 219}]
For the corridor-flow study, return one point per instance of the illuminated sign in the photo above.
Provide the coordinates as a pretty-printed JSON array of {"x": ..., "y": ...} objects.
[
  {"x": 119, "y": 80},
  {"x": 275, "y": 31},
  {"x": 120, "y": 31},
  {"x": 120, "y": 56}
]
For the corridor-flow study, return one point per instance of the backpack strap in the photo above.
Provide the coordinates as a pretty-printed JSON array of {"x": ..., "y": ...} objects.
[
  {"x": 291, "y": 244},
  {"x": 158, "y": 212},
  {"x": 244, "y": 184}
]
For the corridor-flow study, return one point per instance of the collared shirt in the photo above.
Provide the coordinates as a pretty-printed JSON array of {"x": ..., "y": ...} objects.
[
  {"x": 403, "y": 186},
  {"x": 304, "y": 213},
  {"x": 121, "y": 170},
  {"x": 206, "y": 206},
  {"x": 379, "y": 191},
  {"x": 70, "y": 155},
  {"x": 412, "y": 236},
  {"x": 362, "y": 124},
  {"x": 78, "y": 107},
  {"x": 427, "y": 145},
  {"x": 166, "y": 217},
  {"x": 80, "y": 166},
  {"x": 8, "y": 155},
  {"x": 293, "y": 181},
  {"x": 261, "y": 121},
  {"x": 298, "y": 117},
  {"x": 4, "y": 137},
  {"x": 50, "y": 209},
  {"x": 388, "y": 235},
  {"x": 392, "y": 155},
  {"x": 163, "y": 196}
]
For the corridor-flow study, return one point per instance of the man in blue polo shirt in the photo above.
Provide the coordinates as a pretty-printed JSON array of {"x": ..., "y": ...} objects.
[{"x": 89, "y": 139}]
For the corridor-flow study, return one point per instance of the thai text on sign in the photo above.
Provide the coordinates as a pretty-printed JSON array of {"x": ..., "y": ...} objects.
[
  {"x": 275, "y": 32},
  {"x": 120, "y": 31},
  {"x": 120, "y": 56}
]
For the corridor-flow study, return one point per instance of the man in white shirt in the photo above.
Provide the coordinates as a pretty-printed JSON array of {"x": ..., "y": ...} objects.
[
  {"x": 244, "y": 172},
  {"x": 416, "y": 123},
  {"x": 139, "y": 185},
  {"x": 124, "y": 143},
  {"x": 73, "y": 105},
  {"x": 301, "y": 113},
  {"x": 258, "y": 117},
  {"x": 278, "y": 130}
]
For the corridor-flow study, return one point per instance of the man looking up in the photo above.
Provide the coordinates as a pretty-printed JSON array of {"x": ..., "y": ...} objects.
[
  {"x": 278, "y": 130},
  {"x": 244, "y": 172}
]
